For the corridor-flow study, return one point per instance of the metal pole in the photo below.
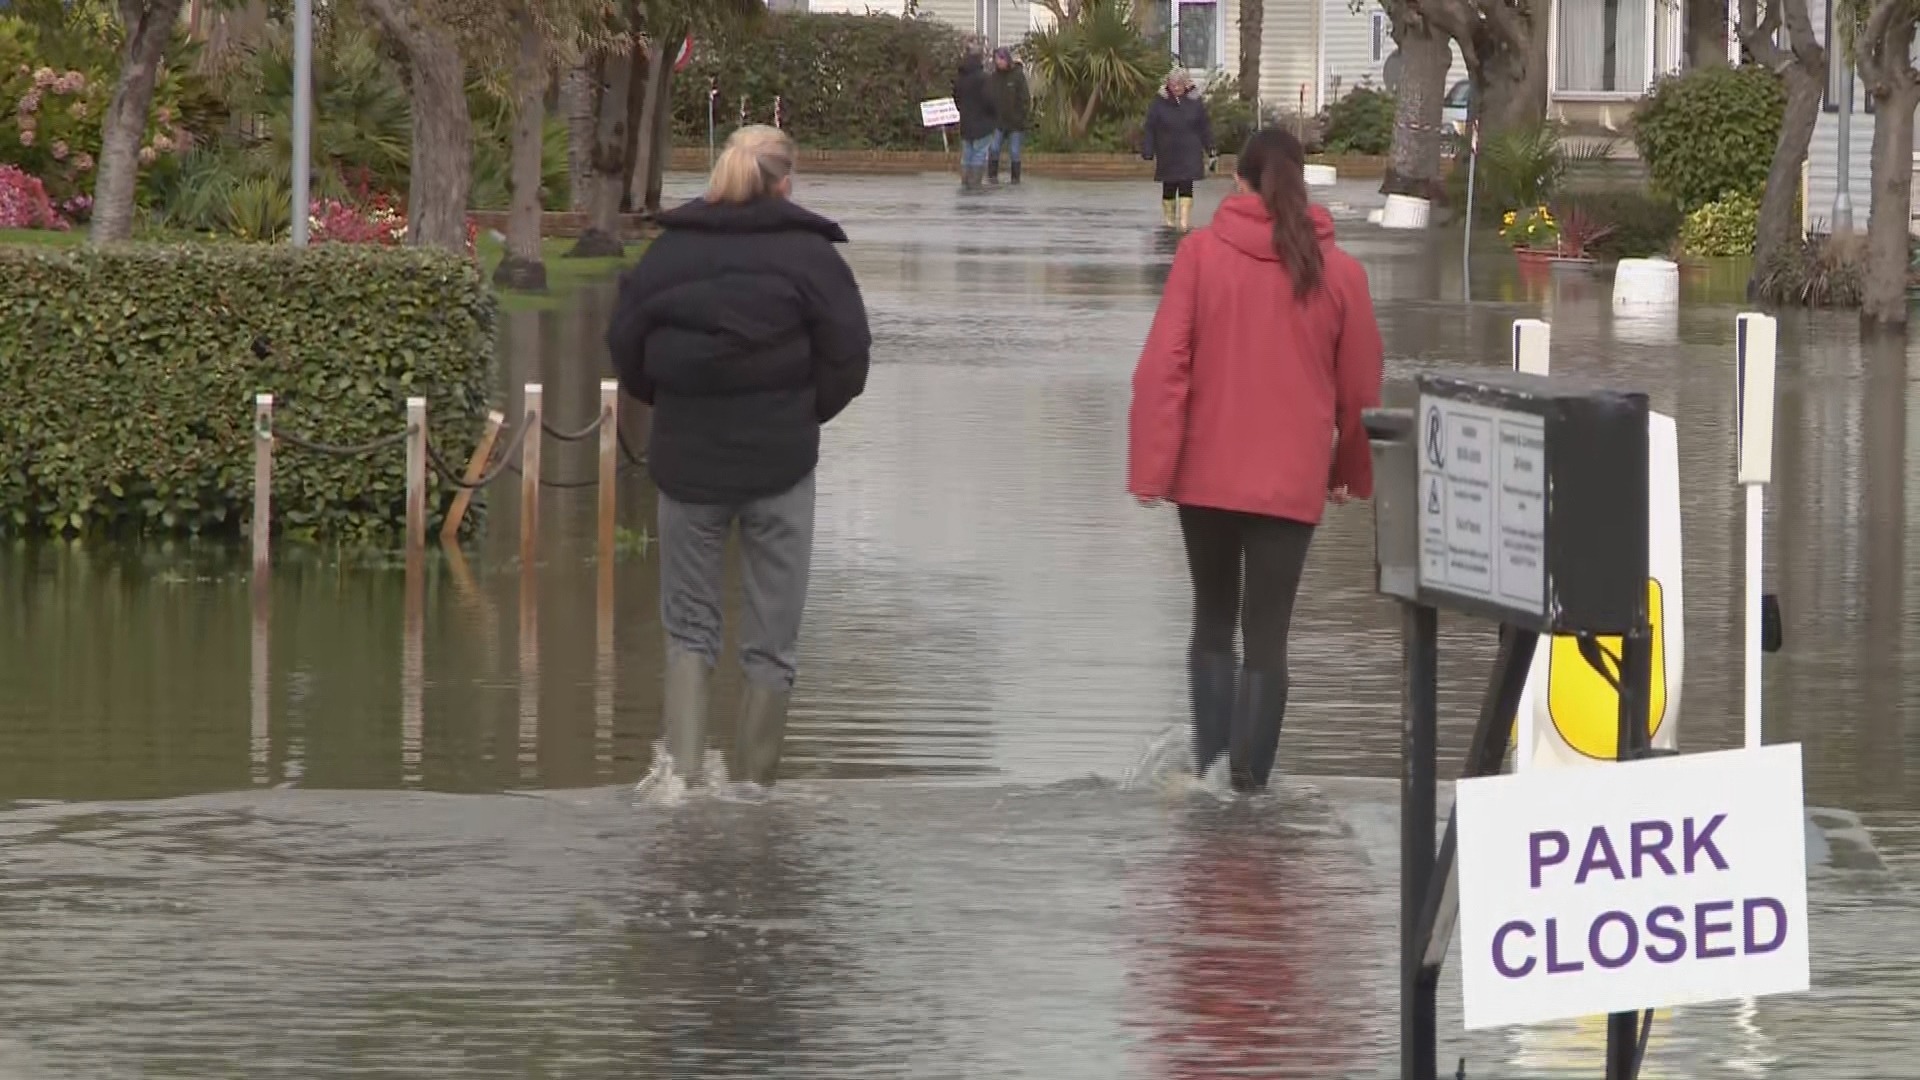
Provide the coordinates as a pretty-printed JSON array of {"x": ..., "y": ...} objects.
[
  {"x": 713, "y": 95},
  {"x": 1843, "y": 165},
  {"x": 1419, "y": 733},
  {"x": 302, "y": 118},
  {"x": 1636, "y": 670},
  {"x": 1466, "y": 241}
]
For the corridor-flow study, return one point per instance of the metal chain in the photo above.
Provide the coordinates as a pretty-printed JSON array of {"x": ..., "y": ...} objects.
[{"x": 573, "y": 436}]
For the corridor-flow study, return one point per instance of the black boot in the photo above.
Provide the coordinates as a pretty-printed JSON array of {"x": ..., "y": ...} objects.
[
  {"x": 1013, "y": 170},
  {"x": 993, "y": 168},
  {"x": 1210, "y": 678},
  {"x": 1257, "y": 712}
]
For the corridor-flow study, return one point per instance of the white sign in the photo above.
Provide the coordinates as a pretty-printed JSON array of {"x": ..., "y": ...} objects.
[
  {"x": 940, "y": 112},
  {"x": 1483, "y": 508},
  {"x": 1663, "y": 882}
]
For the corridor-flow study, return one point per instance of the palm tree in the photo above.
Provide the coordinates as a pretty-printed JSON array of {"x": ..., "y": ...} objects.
[{"x": 1097, "y": 60}]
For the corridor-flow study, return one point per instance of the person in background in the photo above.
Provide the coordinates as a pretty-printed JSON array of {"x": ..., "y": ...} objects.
[
  {"x": 1012, "y": 101},
  {"x": 744, "y": 329},
  {"x": 1179, "y": 142},
  {"x": 973, "y": 96},
  {"x": 1246, "y": 415}
]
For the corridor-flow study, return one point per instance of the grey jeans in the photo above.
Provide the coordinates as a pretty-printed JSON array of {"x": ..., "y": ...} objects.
[{"x": 776, "y": 547}]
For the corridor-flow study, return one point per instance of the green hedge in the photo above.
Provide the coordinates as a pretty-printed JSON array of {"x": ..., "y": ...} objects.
[
  {"x": 845, "y": 82},
  {"x": 127, "y": 379},
  {"x": 1710, "y": 132}
]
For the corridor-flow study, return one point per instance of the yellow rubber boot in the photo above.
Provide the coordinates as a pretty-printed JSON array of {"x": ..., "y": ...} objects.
[
  {"x": 1186, "y": 212},
  {"x": 1167, "y": 212}
]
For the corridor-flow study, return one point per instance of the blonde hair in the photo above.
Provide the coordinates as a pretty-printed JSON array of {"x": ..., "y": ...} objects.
[{"x": 755, "y": 160}]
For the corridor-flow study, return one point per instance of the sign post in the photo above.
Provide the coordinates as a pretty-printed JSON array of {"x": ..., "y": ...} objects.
[
  {"x": 940, "y": 113},
  {"x": 1755, "y": 336},
  {"x": 1463, "y": 520}
]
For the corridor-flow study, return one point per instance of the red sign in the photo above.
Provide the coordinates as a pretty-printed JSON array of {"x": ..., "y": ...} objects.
[{"x": 685, "y": 56}]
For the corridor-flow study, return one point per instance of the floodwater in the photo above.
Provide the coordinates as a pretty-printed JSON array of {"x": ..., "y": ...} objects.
[{"x": 350, "y": 831}]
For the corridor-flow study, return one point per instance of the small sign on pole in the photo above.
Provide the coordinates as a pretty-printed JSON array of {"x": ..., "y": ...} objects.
[{"x": 1662, "y": 882}]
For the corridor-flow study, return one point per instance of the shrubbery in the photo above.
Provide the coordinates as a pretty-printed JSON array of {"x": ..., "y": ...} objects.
[
  {"x": 1710, "y": 131},
  {"x": 844, "y": 81},
  {"x": 1726, "y": 226},
  {"x": 1361, "y": 122},
  {"x": 127, "y": 379},
  {"x": 1644, "y": 224}
]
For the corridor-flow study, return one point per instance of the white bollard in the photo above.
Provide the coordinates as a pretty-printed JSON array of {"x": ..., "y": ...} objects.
[
  {"x": 1374, "y": 216},
  {"x": 1756, "y": 337},
  {"x": 1646, "y": 283},
  {"x": 1532, "y": 342},
  {"x": 1322, "y": 176},
  {"x": 1405, "y": 212}
]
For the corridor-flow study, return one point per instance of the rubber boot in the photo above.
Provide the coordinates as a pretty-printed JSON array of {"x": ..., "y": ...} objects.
[
  {"x": 763, "y": 729},
  {"x": 1258, "y": 709},
  {"x": 1013, "y": 170},
  {"x": 1210, "y": 682},
  {"x": 688, "y": 694},
  {"x": 993, "y": 168},
  {"x": 1167, "y": 212},
  {"x": 1185, "y": 211}
]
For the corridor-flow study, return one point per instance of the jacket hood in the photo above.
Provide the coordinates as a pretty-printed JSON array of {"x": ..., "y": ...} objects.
[
  {"x": 1243, "y": 223},
  {"x": 765, "y": 215},
  {"x": 1188, "y": 94},
  {"x": 970, "y": 64}
]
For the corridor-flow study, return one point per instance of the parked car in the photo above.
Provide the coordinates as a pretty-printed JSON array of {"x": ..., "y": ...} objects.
[{"x": 1453, "y": 111}]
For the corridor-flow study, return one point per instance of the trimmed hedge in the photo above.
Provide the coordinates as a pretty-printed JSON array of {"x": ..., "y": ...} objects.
[
  {"x": 127, "y": 379},
  {"x": 845, "y": 82},
  {"x": 1711, "y": 132}
]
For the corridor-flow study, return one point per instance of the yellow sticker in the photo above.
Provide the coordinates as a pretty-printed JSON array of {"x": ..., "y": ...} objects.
[{"x": 1584, "y": 707}]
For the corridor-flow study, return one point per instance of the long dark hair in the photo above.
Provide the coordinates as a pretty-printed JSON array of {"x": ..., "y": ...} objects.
[{"x": 1273, "y": 163}]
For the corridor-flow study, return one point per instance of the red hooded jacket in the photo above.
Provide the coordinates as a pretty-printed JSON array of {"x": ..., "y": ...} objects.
[{"x": 1241, "y": 387}]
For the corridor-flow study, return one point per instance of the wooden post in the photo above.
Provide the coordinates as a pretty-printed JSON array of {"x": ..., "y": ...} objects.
[
  {"x": 532, "y": 416},
  {"x": 262, "y": 480},
  {"x": 416, "y": 474},
  {"x": 476, "y": 468},
  {"x": 609, "y": 461}
]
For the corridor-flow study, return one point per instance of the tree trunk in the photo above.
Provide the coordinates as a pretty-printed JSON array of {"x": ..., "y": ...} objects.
[
  {"x": 1413, "y": 166},
  {"x": 1884, "y": 303},
  {"x": 523, "y": 269},
  {"x": 662, "y": 146},
  {"x": 1510, "y": 84},
  {"x": 1253, "y": 23},
  {"x": 1706, "y": 33},
  {"x": 602, "y": 236},
  {"x": 148, "y": 25},
  {"x": 658, "y": 83},
  {"x": 576, "y": 102},
  {"x": 1779, "y": 226},
  {"x": 441, "y": 170},
  {"x": 636, "y": 102}
]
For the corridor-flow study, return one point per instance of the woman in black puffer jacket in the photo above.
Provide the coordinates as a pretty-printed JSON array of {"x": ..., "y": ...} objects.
[{"x": 1179, "y": 142}]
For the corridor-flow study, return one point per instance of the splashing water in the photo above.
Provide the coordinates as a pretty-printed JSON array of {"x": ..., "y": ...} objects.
[
  {"x": 1165, "y": 766},
  {"x": 665, "y": 785}
]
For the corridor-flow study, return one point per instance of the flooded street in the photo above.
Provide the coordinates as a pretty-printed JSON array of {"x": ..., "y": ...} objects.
[{"x": 312, "y": 839}]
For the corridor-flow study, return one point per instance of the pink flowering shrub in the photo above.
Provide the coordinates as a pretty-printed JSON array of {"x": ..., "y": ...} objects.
[
  {"x": 50, "y": 118},
  {"x": 374, "y": 219},
  {"x": 24, "y": 203}
]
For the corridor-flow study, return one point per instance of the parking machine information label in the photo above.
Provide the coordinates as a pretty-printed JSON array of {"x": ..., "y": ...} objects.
[{"x": 1483, "y": 505}]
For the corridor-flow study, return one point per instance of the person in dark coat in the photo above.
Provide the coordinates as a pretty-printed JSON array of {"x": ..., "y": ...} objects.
[
  {"x": 1012, "y": 101},
  {"x": 1179, "y": 142},
  {"x": 973, "y": 96},
  {"x": 744, "y": 329}
]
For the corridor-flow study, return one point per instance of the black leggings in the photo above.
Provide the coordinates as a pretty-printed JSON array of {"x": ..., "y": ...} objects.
[
  {"x": 1182, "y": 188},
  {"x": 1274, "y": 551}
]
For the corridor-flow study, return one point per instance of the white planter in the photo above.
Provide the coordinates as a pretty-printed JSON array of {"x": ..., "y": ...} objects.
[
  {"x": 1646, "y": 283},
  {"x": 1322, "y": 176},
  {"x": 1405, "y": 212}
]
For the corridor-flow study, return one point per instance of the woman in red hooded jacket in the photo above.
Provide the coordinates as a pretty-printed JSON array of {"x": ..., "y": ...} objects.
[{"x": 1246, "y": 415}]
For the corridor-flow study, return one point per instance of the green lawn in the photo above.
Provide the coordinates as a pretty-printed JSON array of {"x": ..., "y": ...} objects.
[{"x": 564, "y": 275}]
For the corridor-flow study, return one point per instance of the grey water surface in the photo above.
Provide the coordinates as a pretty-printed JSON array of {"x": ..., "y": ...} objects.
[{"x": 333, "y": 831}]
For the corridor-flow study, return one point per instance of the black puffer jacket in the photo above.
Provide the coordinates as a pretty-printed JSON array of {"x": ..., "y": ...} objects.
[
  {"x": 1179, "y": 137},
  {"x": 973, "y": 96},
  {"x": 744, "y": 329}
]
